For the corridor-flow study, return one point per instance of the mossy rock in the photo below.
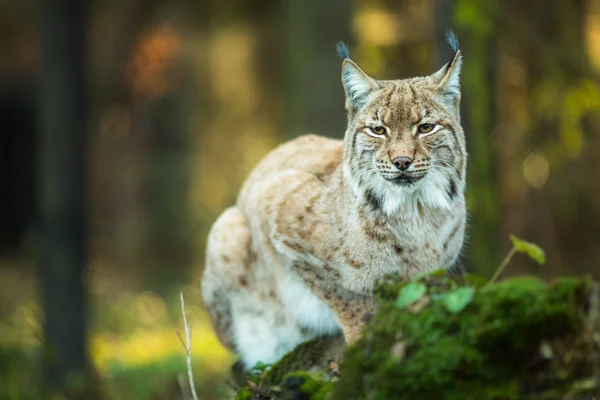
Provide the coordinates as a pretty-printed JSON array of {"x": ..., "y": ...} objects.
[
  {"x": 456, "y": 338},
  {"x": 298, "y": 373}
]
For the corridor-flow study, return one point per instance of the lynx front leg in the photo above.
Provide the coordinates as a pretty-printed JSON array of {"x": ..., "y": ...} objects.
[
  {"x": 348, "y": 308},
  {"x": 352, "y": 315}
]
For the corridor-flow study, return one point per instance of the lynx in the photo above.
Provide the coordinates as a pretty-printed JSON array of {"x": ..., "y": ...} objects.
[{"x": 319, "y": 221}]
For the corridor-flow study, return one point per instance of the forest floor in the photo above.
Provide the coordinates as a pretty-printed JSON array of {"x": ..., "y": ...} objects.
[{"x": 133, "y": 344}]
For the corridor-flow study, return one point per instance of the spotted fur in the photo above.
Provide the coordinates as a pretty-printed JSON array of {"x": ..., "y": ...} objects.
[{"x": 318, "y": 221}]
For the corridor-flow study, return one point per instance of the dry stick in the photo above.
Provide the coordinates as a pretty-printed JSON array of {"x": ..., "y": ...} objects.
[
  {"x": 187, "y": 345},
  {"x": 185, "y": 389}
]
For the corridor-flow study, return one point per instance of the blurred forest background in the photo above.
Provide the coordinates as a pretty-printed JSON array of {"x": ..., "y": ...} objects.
[{"x": 167, "y": 105}]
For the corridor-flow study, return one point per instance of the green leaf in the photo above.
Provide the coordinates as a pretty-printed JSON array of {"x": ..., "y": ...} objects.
[
  {"x": 260, "y": 367},
  {"x": 410, "y": 293},
  {"x": 457, "y": 300},
  {"x": 531, "y": 249},
  {"x": 475, "y": 280},
  {"x": 430, "y": 274}
]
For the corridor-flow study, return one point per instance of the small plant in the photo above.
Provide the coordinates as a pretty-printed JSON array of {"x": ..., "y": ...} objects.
[
  {"x": 260, "y": 368},
  {"x": 413, "y": 296},
  {"x": 255, "y": 381},
  {"x": 531, "y": 249}
]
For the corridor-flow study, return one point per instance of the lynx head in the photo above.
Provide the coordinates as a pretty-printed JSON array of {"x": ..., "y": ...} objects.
[{"x": 404, "y": 140}]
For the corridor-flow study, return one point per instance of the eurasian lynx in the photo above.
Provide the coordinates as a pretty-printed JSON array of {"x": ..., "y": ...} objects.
[{"x": 318, "y": 221}]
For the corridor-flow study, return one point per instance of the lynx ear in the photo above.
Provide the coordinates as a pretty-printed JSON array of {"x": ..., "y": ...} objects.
[
  {"x": 357, "y": 84},
  {"x": 447, "y": 78}
]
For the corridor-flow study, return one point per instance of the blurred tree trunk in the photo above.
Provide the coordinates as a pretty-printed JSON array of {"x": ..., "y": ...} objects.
[
  {"x": 62, "y": 131},
  {"x": 119, "y": 125},
  {"x": 168, "y": 223},
  {"x": 314, "y": 94},
  {"x": 443, "y": 12},
  {"x": 478, "y": 38}
]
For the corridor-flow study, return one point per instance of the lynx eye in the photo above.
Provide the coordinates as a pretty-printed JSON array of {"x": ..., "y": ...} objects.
[
  {"x": 425, "y": 128},
  {"x": 378, "y": 130}
]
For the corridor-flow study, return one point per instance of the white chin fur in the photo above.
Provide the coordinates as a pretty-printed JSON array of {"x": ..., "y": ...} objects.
[
  {"x": 429, "y": 191},
  {"x": 433, "y": 190}
]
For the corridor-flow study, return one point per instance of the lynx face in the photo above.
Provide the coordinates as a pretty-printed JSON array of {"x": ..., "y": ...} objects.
[{"x": 404, "y": 136}]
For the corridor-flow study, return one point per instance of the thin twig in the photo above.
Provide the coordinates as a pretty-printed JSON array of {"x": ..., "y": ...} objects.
[
  {"x": 182, "y": 341},
  {"x": 187, "y": 346},
  {"x": 185, "y": 389},
  {"x": 503, "y": 265}
]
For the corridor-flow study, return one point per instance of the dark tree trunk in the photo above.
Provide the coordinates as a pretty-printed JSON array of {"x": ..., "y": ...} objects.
[
  {"x": 62, "y": 131},
  {"x": 315, "y": 97},
  {"x": 478, "y": 42},
  {"x": 443, "y": 12}
]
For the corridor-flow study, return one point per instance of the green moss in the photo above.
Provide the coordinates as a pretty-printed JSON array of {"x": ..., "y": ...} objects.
[
  {"x": 244, "y": 394},
  {"x": 310, "y": 355},
  {"x": 483, "y": 352},
  {"x": 305, "y": 356},
  {"x": 517, "y": 339},
  {"x": 313, "y": 386}
]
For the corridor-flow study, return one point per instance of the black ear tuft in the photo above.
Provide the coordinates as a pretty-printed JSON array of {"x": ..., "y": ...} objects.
[
  {"x": 342, "y": 50},
  {"x": 452, "y": 40}
]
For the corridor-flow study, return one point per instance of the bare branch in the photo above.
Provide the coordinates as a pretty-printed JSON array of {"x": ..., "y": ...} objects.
[
  {"x": 182, "y": 341},
  {"x": 183, "y": 385},
  {"x": 187, "y": 346}
]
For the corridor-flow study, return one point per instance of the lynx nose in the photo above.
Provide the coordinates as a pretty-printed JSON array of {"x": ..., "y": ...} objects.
[{"x": 402, "y": 162}]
